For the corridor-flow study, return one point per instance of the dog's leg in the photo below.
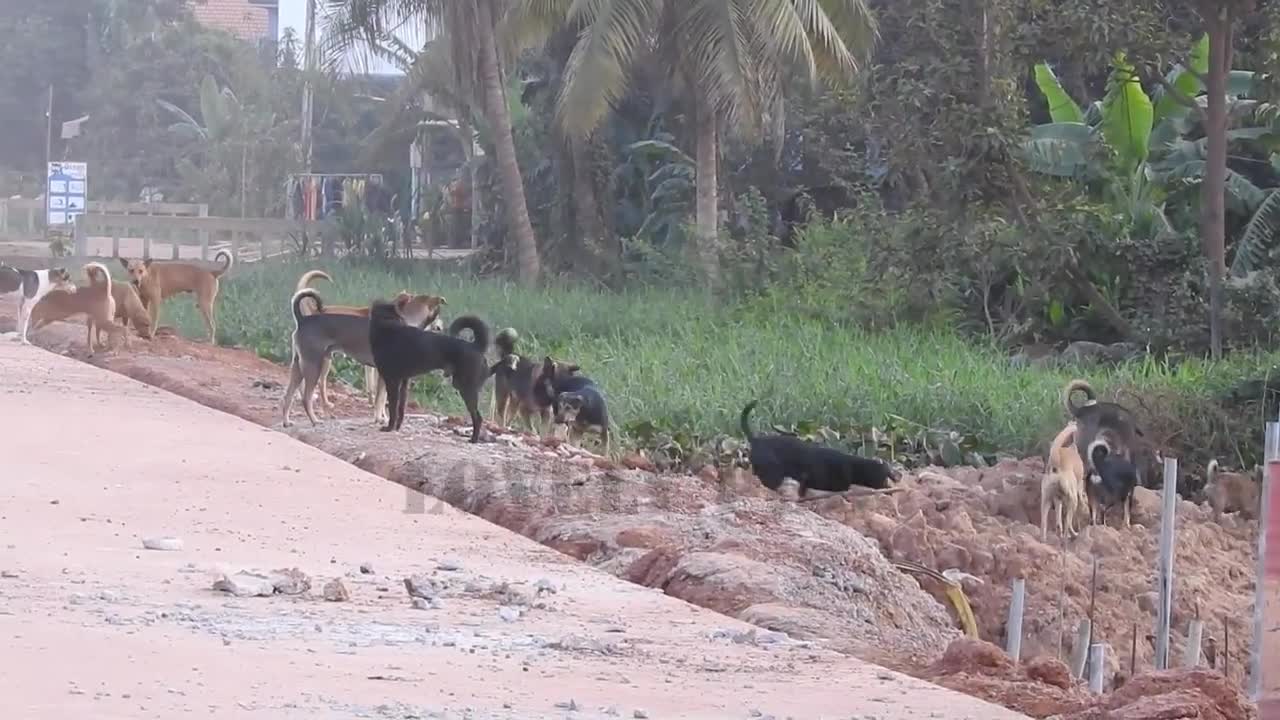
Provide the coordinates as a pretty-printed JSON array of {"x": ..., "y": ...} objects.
[
  {"x": 403, "y": 404},
  {"x": 471, "y": 398},
  {"x": 207, "y": 310},
  {"x": 1069, "y": 508},
  {"x": 381, "y": 402},
  {"x": 604, "y": 434},
  {"x": 24, "y": 320},
  {"x": 295, "y": 379},
  {"x": 393, "y": 402},
  {"x": 91, "y": 326},
  {"x": 1128, "y": 502},
  {"x": 310, "y": 378},
  {"x": 325, "y": 366}
]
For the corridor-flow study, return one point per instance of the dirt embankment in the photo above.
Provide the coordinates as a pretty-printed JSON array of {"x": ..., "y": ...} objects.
[{"x": 818, "y": 571}]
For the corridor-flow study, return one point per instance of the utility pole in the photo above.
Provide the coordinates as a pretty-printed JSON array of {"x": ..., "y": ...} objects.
[
  {"x": 308, "y": 80},
  {"x": 48, "y": 151}
]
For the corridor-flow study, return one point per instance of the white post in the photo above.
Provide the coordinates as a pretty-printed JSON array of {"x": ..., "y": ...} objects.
[
  {"x": 1097, "y": 663},
  {"x": 1194, "y": 635},
  {"x": 1080, "y": 650},
  {"x": 1164, "y": 568},
  {"x": 1261, "y": 586},
  {"x": 1013, "y": 630}
]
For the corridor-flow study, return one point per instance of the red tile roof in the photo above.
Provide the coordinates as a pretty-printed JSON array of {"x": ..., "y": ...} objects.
[{"x": 238, "y": 17}]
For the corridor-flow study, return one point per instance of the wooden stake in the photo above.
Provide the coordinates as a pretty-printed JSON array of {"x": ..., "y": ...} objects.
[
  {"x": 1164, "y": 567},
  {"x": 1097, "y": 665},
  {"x": 1080, "y": 650},
  {"x": 1013, "y": 629}
]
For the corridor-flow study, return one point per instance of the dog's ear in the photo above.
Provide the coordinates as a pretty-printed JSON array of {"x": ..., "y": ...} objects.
[
  {"x": 548, "y": 366},
  {"x": 147, "y": 263},
  {"x": 571, "y": 369},
  {"x": 440, "y": 299},
  {"x": 403, "y": 299},
  {"x": 124, "y": 262}
]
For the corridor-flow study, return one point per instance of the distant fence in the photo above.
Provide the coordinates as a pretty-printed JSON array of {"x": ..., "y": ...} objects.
[
  {"x": 102, "y": 235},
  {"x": 26, "y": 215}
]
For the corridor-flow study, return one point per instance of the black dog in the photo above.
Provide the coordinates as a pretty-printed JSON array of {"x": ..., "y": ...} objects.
[
  {"x": 401, "y": 352},
  {"x": 575, "y": 400},
  {"x": 1112, "y": 485},
  {"x": 1105, "y": 430},
  {"x": 775, "y": 458}
]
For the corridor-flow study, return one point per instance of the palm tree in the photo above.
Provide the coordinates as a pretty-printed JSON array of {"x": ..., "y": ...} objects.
[
  {"x": 733, "y": 59},
  {"x": 470, "y": 28}
]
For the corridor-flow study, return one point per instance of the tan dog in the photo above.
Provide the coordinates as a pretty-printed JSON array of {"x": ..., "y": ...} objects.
[
  {"x": 421, "y": 311},
  {"x": 1232, "y": 492},
  {"x": 1063, "y": 486},
  {"x": 159, "y": 281},
  {"x": 94, "y": 302},
  {"x": 129, "y": 309}
]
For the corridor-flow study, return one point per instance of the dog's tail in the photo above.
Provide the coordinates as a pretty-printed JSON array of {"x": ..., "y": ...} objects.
[
  {"x": 1073, "y": 387},
  {"x": 1098, "y": 451},
  {"x": 745, "y": 420},
  {"x": 93, "y": 269},
  {"x": 310, "y": 276},
  {"x": 227, "y": 261},
  {"x": 506, "y": 341},
  {"x": 479, "y": 331},
  {"x": 1211, "y": 471},
  {"x": 296, "y": 304}
]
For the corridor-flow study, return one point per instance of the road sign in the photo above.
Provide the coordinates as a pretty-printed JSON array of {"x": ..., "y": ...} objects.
[{"x": 67, "y": 192}]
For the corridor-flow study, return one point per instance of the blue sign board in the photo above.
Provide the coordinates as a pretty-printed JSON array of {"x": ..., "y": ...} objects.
[{"x": 67, "y": 192}]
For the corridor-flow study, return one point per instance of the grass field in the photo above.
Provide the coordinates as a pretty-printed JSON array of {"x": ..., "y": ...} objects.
[{"x": 677, "y": 367}]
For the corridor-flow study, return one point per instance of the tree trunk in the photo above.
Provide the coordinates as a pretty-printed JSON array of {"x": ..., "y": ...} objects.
[
  {"x": 707, "y": 190},
  {"x": 495, "y": 100},
  {"x": 244, "y": 175},
  {"x": 1213, "y": 187},
  {"x": 586, "y": 212}
]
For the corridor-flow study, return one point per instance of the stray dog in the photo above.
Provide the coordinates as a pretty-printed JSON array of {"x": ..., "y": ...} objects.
[
  {"x": 1112, "y": 484},
  {"x": 129, "y": 309},
  {"x": 514, "y": 380},
  {"x": 158, "y": 281},
  {"x": 94, "y": 302},
  {"x": 576, "y": 401},
  {"x": 1104, "y": 429},
  {"x": 1232, "y": 492},
  {"x": 417, "y": 310},
  {"x": 774, "y": 458},
  {"x": 401, "y": 352},
  {"x": 31, "y": 286},
  {"x": 1063, "y": 486}
]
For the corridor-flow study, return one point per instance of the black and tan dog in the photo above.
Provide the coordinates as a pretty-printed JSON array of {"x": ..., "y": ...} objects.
[
  {"x": 575, "y": 400},
  {"x": 514, "y": 380},
  {"x": 401, "y": 352},
  {"x": 774, "y": 458},
  {"x": 1107, "y": 438}
]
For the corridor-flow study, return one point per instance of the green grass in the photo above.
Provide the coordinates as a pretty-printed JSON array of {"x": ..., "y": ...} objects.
[{"x": 677, "y": 367}]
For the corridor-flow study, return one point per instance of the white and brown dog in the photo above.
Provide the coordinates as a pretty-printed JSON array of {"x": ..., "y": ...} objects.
[
  {"x": 30, "y": 286},
  {"x": 1062, "y": 488},
  {"x": 94, "y": 301}
]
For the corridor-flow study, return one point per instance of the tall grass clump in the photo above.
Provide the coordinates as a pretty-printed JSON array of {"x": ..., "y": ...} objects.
[{"x": 677, "y": 367}]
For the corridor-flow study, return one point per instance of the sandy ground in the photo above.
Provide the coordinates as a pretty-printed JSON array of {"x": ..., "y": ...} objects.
[{"x": 94, "y": 624}]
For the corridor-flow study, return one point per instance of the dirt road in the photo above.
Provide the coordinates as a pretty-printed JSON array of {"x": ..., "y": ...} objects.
[{"x": 93, "y": 624}]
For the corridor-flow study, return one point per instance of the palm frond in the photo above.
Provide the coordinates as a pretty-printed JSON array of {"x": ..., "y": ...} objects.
[
  {"x": 1259, "y": 237},
  {"x": 715, "y": 37},
  {"x": 595, "y": 78}
]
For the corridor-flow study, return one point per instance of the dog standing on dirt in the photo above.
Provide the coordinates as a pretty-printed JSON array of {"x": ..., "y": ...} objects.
[
  {"x": 774, "y": 458},
  {"x": 575, "y": 400},
  {"x": 31, "y": 286},
  {"x": 93, "y": 301},
  {"x": 129, "y": 309},
  {"x": 1106, "y": 438},
  {"x": 514, "y": 380},
  {"x": 416, "y": 310},
  {"x": 402, "y": 352},
  {"x": 1230, "y": 492},
  {"x": 1062, "y": 488},
  {"x": 159, "y": 281}
]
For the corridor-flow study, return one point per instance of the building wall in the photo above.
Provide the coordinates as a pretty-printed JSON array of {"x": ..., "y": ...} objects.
[{"x": 241, "y": 18}]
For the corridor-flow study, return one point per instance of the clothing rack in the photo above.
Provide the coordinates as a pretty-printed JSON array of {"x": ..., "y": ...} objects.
[{"x": 314, "y": 196}]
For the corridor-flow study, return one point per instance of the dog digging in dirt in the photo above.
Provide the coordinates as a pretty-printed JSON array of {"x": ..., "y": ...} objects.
[
  {"x": 774, "y": 458},
  {"x": 575, "y": 401},
  {"x": 417, "y": 310},
  {"x": 1062, "y": 488},
  {"x": 1230, "y": 492},
  {"x": 159, "y": 281},
  {"x": 93, "y": 301},
  {"x": 401, "y": 352},
  {"x": 514, "y": 381},
  {"x": 1106, "y": 438}
]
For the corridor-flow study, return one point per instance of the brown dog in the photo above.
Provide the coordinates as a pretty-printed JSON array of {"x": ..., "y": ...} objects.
[
  {"x": 421, "y": 311},
  {"x": 1232, "y": 492},
  {"x": 1063, "y": 486},
  {"x": 159, "y": 281},
  {"x": 129, "y": 309},
  {"x": 94, "y": 302}
]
